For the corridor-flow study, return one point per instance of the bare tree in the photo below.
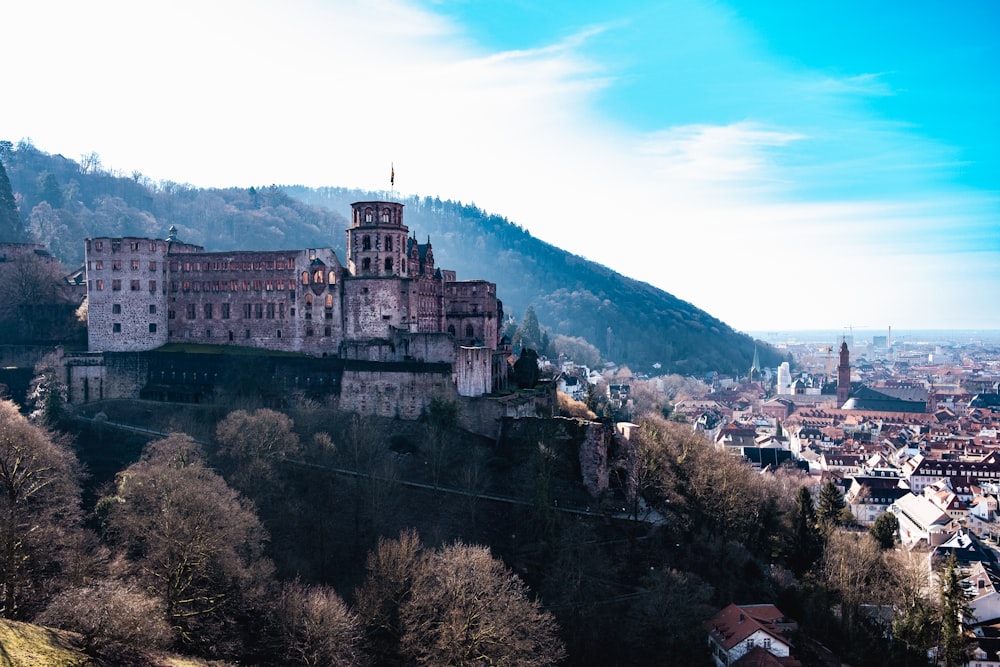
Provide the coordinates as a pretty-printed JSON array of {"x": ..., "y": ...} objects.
[
  {"x": 116, "y": 619},
  {"x": 254, "y": 442},
  {"x": 315, "y": 628},
  {"x": 190, "y": 539},
  {"x": 40, "y": 516},
  {"x": 467, "y": 608},
  {"x": 391, "y": 569}
]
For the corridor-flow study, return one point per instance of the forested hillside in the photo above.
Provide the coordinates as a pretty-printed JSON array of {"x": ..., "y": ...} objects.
[{"x": 62, "y": 201}]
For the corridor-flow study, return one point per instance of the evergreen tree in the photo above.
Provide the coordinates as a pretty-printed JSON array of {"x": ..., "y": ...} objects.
[
  {"x": 831, "y": 506},
  {"x": 954, "y": 612},
  {"x": 529, "y": 332},
  {"x": 11, "y": 230},
  {"x": 884, "y": 530},
  {"x": 805, "y": 545}
]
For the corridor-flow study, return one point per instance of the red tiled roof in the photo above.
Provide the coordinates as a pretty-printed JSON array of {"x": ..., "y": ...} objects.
[{"x": 734, "y": 623}]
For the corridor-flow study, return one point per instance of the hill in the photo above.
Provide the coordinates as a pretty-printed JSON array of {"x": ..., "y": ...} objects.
[{"x": 62, "y": 202}]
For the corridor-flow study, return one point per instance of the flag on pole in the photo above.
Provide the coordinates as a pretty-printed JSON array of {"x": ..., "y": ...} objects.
[{"x": 392, "y": 175}]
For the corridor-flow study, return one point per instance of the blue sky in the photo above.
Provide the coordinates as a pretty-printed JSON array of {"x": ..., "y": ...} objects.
[{"x": 781, "y": 165}]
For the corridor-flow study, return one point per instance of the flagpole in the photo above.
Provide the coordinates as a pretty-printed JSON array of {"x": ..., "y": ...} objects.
[{"x": 392, "y": 181}]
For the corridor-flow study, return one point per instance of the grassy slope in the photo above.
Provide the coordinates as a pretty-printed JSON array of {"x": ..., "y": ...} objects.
[{"x": 24, "y": 645}]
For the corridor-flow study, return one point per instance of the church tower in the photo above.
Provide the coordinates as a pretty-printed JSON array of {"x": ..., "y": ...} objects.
[
  {"x": 844, "y": 375},
  {"x": 377, "y": 240}
]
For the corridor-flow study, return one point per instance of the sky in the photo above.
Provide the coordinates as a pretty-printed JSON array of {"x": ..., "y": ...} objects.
[{"x": 781, "y": 165}]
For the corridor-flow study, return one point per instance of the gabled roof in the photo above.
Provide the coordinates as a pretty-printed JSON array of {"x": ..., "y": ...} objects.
[
  {"x": 759, "y": 656},
  {"x": 735, "y": 623}
]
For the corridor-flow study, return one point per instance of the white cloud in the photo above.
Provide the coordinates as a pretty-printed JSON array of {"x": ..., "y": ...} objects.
[{"x": 237, "y": 93}]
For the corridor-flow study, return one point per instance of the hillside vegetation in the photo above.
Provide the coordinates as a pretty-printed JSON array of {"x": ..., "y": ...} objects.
[{"x": 61, "y": 202}]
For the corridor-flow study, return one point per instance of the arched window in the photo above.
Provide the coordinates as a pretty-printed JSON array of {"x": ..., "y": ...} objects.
[
  {"x": 332, "y": 275},
  {"x": 309, "y": 300},
  {"x": 366, "y": 264},
  {"x": 385, "y": 215},
  {"x": 451, "y": 329},
  {"x": 469, "y": 331},
  {"x": 402, "y": 265},
  {"x": 305, "y": 277},
  {"x": 388, "y": 243},
  {"x": 318, "y": 277},
  {"x": 368, "y": 215},
  {"x": 366, "y": 243},
  {"x": 388, "y": 264},
  {"x": 329, "y": 301}
]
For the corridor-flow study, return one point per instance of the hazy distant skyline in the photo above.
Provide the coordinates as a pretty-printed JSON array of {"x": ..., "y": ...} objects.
[{"x": 780, "y": 165}]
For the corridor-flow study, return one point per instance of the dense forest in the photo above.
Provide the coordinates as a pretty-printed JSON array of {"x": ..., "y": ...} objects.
[
  {"x": 61, "y": 201},
  {"x": 314, "y": 537}
]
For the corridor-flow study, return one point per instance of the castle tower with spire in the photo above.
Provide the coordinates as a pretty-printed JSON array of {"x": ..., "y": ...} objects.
[{"x": 844, "y": 375}]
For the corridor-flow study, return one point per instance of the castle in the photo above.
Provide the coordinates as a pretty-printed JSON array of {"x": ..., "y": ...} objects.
[{"x": 387, "y": 307}]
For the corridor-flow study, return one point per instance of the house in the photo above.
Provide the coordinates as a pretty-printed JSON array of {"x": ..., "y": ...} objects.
[
  {"x": 920, "y": 521},
  {"x": 983, "y": 587},
  {"x": 966, "y": 548},
  {"x": 738, "y": 634},
  {"x": 870, "y": 496}
]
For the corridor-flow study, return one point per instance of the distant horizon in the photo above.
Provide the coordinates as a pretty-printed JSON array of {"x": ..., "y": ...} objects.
[{"x": 915, "y": 335}]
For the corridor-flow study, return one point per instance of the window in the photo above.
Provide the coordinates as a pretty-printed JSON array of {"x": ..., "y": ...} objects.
[
  {"x": 469, "y": 331},
  {"x": 208, "y": 333},
  {"x": 368, "y": 215},
  {"x": 225, "y": 311},
  {"x": 388, "y": 264},
  {"x": 171, "y": 314},
  {"x": 134, "y": 246},
  {"x": 332, "y": 278},
  {"x": 305, "y": 277},
  {"x": 309, "y": 331},
  {"x": 116, "y": 309},
  {"x": 116, "y": 265},
  {"x": 767, "y": 643},
  {"x": 152, "y": 327},
  {"x": 99, "y": 265},
  {"x": 246, "y": 312},
  {"x": 279, "y": 333},
  {"x": 116, "y": 327},
  {"x": 270, "y": 311},
  {"x": 190, "y": 311},
  {"x": 152, "y": 309},
  {"x": 135, "y": 265},
  {"x": 366, "y": 264},
  {"x": 388, "y": 243},
  {"x": 116, "y": 285},
  {"x": 366, "y": 243},
  {"x": 152, "y": 286},
  {"x": 329, "y": 301},
  {"x": 116, "y": 245},
  {"x": 246, "y": 334},
  {"x": 99, "y": 285},
  {"x": 208, "y": 311},
  {"x": 152, "y": 266},
  {"x": 98, "y": 245},
  {"x": 134, "y": 285},
  {"x": 258, "y": 311},
  {"x": 326, "y": 331}
]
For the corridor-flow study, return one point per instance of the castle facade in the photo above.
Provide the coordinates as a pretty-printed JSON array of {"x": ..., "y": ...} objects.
[{"x": 387, "y": 303}]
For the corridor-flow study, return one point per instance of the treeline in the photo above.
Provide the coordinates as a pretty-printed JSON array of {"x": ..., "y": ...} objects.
[{"x": 62, "y": 201}]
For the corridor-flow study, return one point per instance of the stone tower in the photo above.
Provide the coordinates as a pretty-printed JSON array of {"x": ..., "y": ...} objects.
[
  {"x": 377, "y": 240},
  {"x": 844, "y": 375}
]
